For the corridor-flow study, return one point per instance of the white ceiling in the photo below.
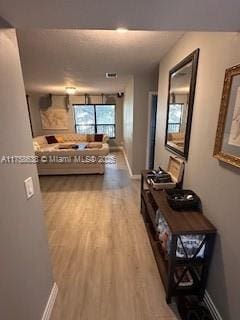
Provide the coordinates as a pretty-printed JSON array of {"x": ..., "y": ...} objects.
[
  {"x": 188, "y": 15},
  {"x": 54, "y": 59}
]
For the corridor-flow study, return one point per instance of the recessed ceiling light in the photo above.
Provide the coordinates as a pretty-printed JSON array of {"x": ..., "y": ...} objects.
[
  {"x": 122, "y": 30},
  {"x": 70, "y": 90}
]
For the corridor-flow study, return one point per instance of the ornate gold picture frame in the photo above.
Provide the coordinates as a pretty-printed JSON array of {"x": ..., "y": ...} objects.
[{"x": 227, "y": 143}]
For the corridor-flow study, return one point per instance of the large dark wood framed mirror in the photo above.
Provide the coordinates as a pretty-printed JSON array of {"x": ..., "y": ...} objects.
[{"x": 181, "y": 91}]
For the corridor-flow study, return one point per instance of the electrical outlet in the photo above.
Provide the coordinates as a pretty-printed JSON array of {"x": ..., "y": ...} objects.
[{"x": 29, "y": 187}]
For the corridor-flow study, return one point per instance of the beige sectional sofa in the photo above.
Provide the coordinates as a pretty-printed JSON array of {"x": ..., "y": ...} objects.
[
  {"x": 71, "y": 154},
  {"x": 176, "y": 140}
]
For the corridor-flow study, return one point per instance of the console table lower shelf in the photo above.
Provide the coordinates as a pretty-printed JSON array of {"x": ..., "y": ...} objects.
[{"x": 174, "y": 270}]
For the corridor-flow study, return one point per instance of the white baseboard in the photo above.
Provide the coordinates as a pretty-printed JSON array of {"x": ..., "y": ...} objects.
[
  {"x": 50, "y": 303},
  {"x": 211, "y": 306},
  {"x": 132, "y": 176},
  {"x": 115, "y": 148},
  {"x": 127, "y": 163}
]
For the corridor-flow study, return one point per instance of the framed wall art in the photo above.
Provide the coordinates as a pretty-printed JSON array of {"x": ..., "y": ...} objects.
[
  {"x": 227, "y": 143},
  {"x": 54, "y": 119}
]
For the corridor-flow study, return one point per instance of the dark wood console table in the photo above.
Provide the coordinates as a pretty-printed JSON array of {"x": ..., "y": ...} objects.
[{"x": 180, "y": 223}]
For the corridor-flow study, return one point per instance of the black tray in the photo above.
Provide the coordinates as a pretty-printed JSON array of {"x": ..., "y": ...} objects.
[{"x": 183, "y": 204}]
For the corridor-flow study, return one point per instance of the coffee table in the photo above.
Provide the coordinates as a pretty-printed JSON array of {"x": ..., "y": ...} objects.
[
  {"x": 77, "y": 146},
  {"x": 80, "y": 146}
]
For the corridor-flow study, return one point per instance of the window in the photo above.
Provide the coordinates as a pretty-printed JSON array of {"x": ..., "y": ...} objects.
[
  {"x": 175, "y": 117},
  {"x": 95, "y": 119}
]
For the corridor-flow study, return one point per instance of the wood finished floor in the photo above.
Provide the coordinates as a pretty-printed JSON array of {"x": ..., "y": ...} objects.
[{"x": 102, "y": 260}]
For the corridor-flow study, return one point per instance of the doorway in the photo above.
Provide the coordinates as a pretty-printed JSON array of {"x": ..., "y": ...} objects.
[{"x": 152, "y": 119}]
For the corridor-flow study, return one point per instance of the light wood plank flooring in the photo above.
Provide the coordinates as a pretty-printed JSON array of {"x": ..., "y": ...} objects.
[{"x": 102, "y": 260}]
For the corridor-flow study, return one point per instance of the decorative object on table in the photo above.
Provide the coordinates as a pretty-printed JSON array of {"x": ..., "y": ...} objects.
[
  {"x": 183, "y": 199},
  {"x": 77, "y": 146},
  {"x": 181, "y": 91},
  {"x": 80, "y": 146},
  {"x": 168, "y": 179},
  {"x": 54, "y": 118},
  {"x": 227, "y": 143}
]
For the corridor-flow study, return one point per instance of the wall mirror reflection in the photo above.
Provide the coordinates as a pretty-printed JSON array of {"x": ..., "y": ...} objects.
[{"x": 182, "y": 80}]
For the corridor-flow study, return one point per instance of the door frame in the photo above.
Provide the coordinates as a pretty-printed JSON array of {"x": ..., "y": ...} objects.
[{"x": 150, "y": 94}]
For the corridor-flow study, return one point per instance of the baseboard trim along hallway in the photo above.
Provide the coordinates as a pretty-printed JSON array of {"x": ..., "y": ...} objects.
[
  {"x": 211, "y": 306},
  {"x": 132, "y": 176},
  {"x": 50, "y": 303}
]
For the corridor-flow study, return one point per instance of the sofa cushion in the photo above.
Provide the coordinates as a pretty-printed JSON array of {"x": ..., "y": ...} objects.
[
  {"x": 176, "y": 136},
  {"x": 105, "y": 138},
  {"x": 60, "y": 139},
  {"x": 81, "y": 137},
  {"x": 74, "y": 137},
  {"x": 49, "y": 147},
  {"x": 36, "y": 146},
  {"x": 51, "y": 139},
  {"x": 98, "y": 138},
  {"x": 41, "y": 140},
  {"x": 90, "y": 137},
  {"x": 94, "y": 145}
]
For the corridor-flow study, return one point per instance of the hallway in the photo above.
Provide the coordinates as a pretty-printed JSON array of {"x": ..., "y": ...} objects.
[{"x": 102, "y": 260}]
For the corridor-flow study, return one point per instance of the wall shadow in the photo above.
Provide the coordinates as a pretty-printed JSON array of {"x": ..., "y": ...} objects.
[{"x": 217, "y": 281}]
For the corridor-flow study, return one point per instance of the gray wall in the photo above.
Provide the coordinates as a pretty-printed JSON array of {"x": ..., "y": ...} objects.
[
  {"x": 128, "y": 120},
  {"x": 143, "y": 84},
  {"x": 58, "y": 101},
  {"x": 135, "y": 124},
  {"x": 217, "y": 184},
  {"x": 25, "y": 270}
]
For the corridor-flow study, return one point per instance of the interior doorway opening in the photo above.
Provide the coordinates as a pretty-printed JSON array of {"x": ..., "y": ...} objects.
[{"x": 152, "y": 119}]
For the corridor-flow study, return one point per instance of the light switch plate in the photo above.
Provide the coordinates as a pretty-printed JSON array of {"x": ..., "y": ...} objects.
[{"x": 29, "y": 187}]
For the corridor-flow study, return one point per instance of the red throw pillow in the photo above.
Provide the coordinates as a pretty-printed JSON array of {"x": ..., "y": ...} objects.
[
  {"x": 51, "y": 139},
  {"x": 98, "y": 138}
]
